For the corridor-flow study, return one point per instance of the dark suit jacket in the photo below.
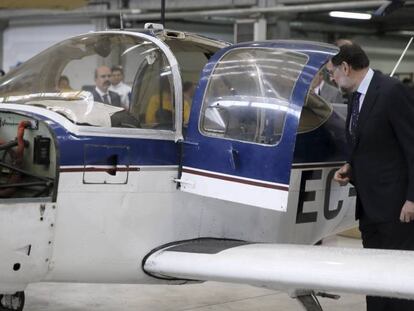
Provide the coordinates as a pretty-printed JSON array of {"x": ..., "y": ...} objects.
[
  {"x": 382, "y": 159},
  {"x": 115, "y": 98}
]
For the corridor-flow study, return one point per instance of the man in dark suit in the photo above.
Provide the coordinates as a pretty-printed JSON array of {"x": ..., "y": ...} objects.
[
  {"x": 380, "y": 133},
  {"x": 101, "y": 92}
]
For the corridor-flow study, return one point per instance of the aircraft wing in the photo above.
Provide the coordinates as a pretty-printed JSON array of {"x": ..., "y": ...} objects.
[{"x": 288, "y": 267}]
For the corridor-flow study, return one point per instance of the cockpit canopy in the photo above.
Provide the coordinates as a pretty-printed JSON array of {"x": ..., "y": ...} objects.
[{"x": 64, "y": 77}]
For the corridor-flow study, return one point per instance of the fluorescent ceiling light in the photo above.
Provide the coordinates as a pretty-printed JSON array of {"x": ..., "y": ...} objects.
[{"x": 352, "y": 15}]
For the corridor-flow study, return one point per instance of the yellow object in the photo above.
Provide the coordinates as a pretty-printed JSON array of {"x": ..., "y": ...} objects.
[{"x": 154, "y": 105}]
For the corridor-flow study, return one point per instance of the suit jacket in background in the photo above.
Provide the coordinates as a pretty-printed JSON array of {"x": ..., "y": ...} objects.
[
  {"x": 115, "y": 98},
  {"x": 382, "y": 159}
]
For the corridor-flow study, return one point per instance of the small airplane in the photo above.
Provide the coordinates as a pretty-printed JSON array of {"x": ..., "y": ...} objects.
[{"x": 232, "y": 182}]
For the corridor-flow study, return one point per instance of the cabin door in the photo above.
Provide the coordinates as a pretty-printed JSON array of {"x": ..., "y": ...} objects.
[{"x": 241, "y": 136}]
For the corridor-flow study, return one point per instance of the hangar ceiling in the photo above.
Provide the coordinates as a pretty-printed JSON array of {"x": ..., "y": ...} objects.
[
  {"x": 399, "y": 20},
  {"x": 42, "y": 4},
  {"x": 303, "y": 15}
]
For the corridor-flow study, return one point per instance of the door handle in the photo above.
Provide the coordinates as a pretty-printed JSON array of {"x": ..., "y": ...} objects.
[
  {"x": 234, "y": 158},
  {"x": 113, "y": 162}
]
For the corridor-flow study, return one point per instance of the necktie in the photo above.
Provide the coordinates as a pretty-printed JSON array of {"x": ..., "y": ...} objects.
[
  {"x": 354, "y": 116},
  {"x": 106, "y": 99}
]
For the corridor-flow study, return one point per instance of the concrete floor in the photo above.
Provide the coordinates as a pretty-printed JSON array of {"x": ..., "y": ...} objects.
[{"x": 209, "y": 296}]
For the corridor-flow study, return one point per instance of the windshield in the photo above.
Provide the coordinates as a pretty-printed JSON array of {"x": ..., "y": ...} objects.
[
  {"x": 248, "y": 95},
  {"x": 89, "y": 79}
]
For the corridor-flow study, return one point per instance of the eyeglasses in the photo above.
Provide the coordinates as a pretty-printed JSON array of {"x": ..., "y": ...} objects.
[{"x": 104, "y": 76}]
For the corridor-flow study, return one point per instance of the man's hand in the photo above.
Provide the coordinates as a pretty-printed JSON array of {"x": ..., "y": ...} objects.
[
  {"x": 407, "y": 212},
  {"x": 343, "y": 175}
]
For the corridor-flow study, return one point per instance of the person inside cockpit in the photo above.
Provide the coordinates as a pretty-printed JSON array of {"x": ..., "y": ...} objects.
[
  {"x": 63, "y": 84},
  {"x": 160, "y": 108},
  {"x": 188, "y": 93}
]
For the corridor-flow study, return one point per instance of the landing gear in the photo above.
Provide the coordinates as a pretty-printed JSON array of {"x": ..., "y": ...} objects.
[
  {"x": 308, "y": 299},
  {"x": 310, "y": 302},
  {"x": 13, "y": 302}
]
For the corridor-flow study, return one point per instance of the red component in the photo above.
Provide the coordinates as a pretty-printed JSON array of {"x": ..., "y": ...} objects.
[
  {"x": 20, "y": 142},
  {"x": 17, "y": 159}
]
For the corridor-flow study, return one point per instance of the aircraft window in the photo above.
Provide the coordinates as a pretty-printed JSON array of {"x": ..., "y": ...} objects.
[
  {"x": 191, "y": 64},
  {"x": 248, "y": 95},
  {"x": 153, "y": 101},
  {"x": 73, "y": 78},
  {"x": 192, "y": 56},
  {"x": 323, "y": 87},
  {"x": 314, "y": 113},
  {"x": 319, "y": 103}
]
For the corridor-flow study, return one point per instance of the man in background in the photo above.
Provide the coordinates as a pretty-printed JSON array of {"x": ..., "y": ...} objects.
[
  {"x": 119, "y": 87},
  {"x": 101, "y": 92}
]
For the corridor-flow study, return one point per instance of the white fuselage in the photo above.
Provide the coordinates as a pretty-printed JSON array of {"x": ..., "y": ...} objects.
[
  {"x": 101, "y": 226},
  {"x": 103, "y": 232}
]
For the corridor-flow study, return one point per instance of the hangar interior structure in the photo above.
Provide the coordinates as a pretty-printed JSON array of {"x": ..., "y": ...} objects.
[{"x": 27, "y": 27}]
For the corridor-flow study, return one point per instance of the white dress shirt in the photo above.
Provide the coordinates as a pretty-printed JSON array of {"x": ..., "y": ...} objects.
[
  {"x": 363, "y": 86},
  {"x": 123, "y": 90}
]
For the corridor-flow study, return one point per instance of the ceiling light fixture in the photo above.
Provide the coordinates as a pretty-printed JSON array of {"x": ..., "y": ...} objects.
[{"x": 351, "y": 15}]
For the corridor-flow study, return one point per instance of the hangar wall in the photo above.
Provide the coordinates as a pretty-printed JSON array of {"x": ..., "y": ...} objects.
[
  {"x": 27, "y": 33},
  {"x": 22, "y": 42}
]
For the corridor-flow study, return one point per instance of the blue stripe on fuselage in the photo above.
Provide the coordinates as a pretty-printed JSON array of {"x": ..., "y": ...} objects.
[{"x": 138, "y": 151}]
